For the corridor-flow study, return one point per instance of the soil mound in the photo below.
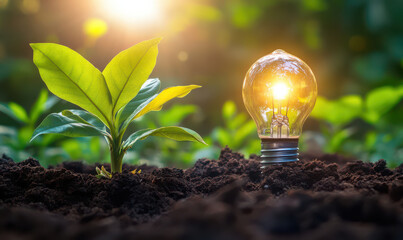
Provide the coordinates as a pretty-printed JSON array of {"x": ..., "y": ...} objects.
[{"x": 228, "y": 198}]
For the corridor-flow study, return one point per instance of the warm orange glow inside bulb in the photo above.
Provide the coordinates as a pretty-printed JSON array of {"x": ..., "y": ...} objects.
[{"x": 280, "y": 91}]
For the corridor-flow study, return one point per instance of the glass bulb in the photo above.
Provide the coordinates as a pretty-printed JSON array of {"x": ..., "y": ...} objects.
[{"x": 279, "y": 92}]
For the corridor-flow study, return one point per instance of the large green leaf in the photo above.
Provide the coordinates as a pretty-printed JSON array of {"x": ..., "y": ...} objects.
[
  {"x": 57, "y": 123},
  {"x": 85, "y": 117},
  {"x": 175, "y": 133},
  {"x": 165, "y": 96},
  {"x": 146, "y": 94},
  {"x": 338, "y": 112},
  {"x": 381, "y": 100},
  {"x": 128, "y": 70},
  {"x": 128, "y": 120},
  {"x": 14, "y": 110},
  {"x": 71, "y": 77}
]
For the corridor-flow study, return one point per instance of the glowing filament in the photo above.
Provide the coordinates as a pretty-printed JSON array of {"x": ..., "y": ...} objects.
[{"x": 280, "y": 91}]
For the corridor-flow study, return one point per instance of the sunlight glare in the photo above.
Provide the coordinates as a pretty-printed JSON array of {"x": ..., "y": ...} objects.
[{"x": 133, "y": 11}]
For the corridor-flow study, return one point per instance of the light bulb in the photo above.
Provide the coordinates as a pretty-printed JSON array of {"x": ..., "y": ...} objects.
[{"x": 279, "y": 92}]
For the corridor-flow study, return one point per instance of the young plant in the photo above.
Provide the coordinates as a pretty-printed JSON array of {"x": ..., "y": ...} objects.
[
  {"x": 111, "y": 100},
  {"x": 15, "y": 140}
]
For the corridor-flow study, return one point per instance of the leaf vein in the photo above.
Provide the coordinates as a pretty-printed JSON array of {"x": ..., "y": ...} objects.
[
  {"x": 127, "y": 80},
  {"x": 75, "y": 85}
]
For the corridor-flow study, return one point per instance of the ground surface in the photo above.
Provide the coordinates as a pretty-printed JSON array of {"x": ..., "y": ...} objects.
[{"x": 228, "y": 198}]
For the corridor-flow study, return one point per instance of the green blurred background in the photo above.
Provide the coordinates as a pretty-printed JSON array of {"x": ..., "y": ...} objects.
[{"x": 355, "y": 49}]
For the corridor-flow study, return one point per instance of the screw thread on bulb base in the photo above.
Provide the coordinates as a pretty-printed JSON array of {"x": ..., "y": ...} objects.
[{"x": 279, "y": 150}]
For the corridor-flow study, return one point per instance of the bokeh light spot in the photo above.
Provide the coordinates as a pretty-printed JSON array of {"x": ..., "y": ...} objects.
[
  {"x": 314, "y": 5},
  {"x": 312, "y": 35},
  {"x": 95, "y": 27},
  {"x": 53, "y": 38},
  {"x": 183, "y": 56},
  {"x": 30, "y": 6},
  {"x": 3, "y": 3},
  {"x": 204, "y": 12}
]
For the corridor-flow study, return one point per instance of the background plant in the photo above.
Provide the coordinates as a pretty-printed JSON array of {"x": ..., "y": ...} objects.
[
  {"x": 49, "y": 149},
  {"x": 161, "y": 151},
  {"x": 236, "y": 131},
  {"x": 14, "y": 140},
  {"x": 362, "y": 126},
  {"x": 352, "y": 46},
  {"x": 111, "y": 99},
  {"x": 239, "y": 131}
]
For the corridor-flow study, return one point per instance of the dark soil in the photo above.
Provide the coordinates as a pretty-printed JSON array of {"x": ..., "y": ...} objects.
[{"x": 329, "y": 197}]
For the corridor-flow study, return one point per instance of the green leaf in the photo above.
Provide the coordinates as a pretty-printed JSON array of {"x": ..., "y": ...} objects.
[
  {"x": 176, "y": 114},
  {"x": 102, "y": 173},
  {"x": 370, "y": 140},
  {"x": 164, "y": 96},
  {"x": 338, "y": 112},
  {"x": 243, "y": 132},
  {"x": 244, "y": 15},
  {"x": 52, "y": 100},
  {"x": 71, "y": 77},
  {"x": 381, "y": 100},
  {"x": 84, "y": 117},
  {"x": 228, "y": 110},
  {"x": 57, "y": 123},
  {"x": 24, "y": 134},
  {"x": 146, "y": 94},
  {"x": 8, "y": 131},
  {"x": 19, "y": 111},
  {"x": 128, "y": 120},
  {"x": 400, "y": 90},
  {"x": 14, "y": 111},
  {"x": 222, "y": 136},
  {"x": 236, "y": 122},
  {"x": 337, "y": 140},
  {"x": 175, "y": 133},
  {"x": 39, "y": 106},
  {"x": 128, "y": 70}
]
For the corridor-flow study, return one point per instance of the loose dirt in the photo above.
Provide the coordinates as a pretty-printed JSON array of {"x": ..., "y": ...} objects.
[{"x": 319, "y": 197}]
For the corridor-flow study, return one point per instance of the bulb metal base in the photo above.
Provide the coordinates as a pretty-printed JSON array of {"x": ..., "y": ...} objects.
[{"x": 279, "y": 150}]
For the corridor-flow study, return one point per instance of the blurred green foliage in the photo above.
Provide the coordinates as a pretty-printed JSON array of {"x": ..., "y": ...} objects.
[
  {"x": 363, "y": 126},
  {"x": 88, "y": 149},
  {"x": 160, "y": 151},
  {"x": 355, "y": 49},
  {"x": 15, "y": 140},
  {"x": 50, "y": 149},
  {"x": 238, "y": 132}
]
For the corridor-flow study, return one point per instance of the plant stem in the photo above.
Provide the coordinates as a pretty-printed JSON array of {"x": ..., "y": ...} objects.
[
  {"x": 117, "y": 152},
  {"x": 116, "y": 159}
]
